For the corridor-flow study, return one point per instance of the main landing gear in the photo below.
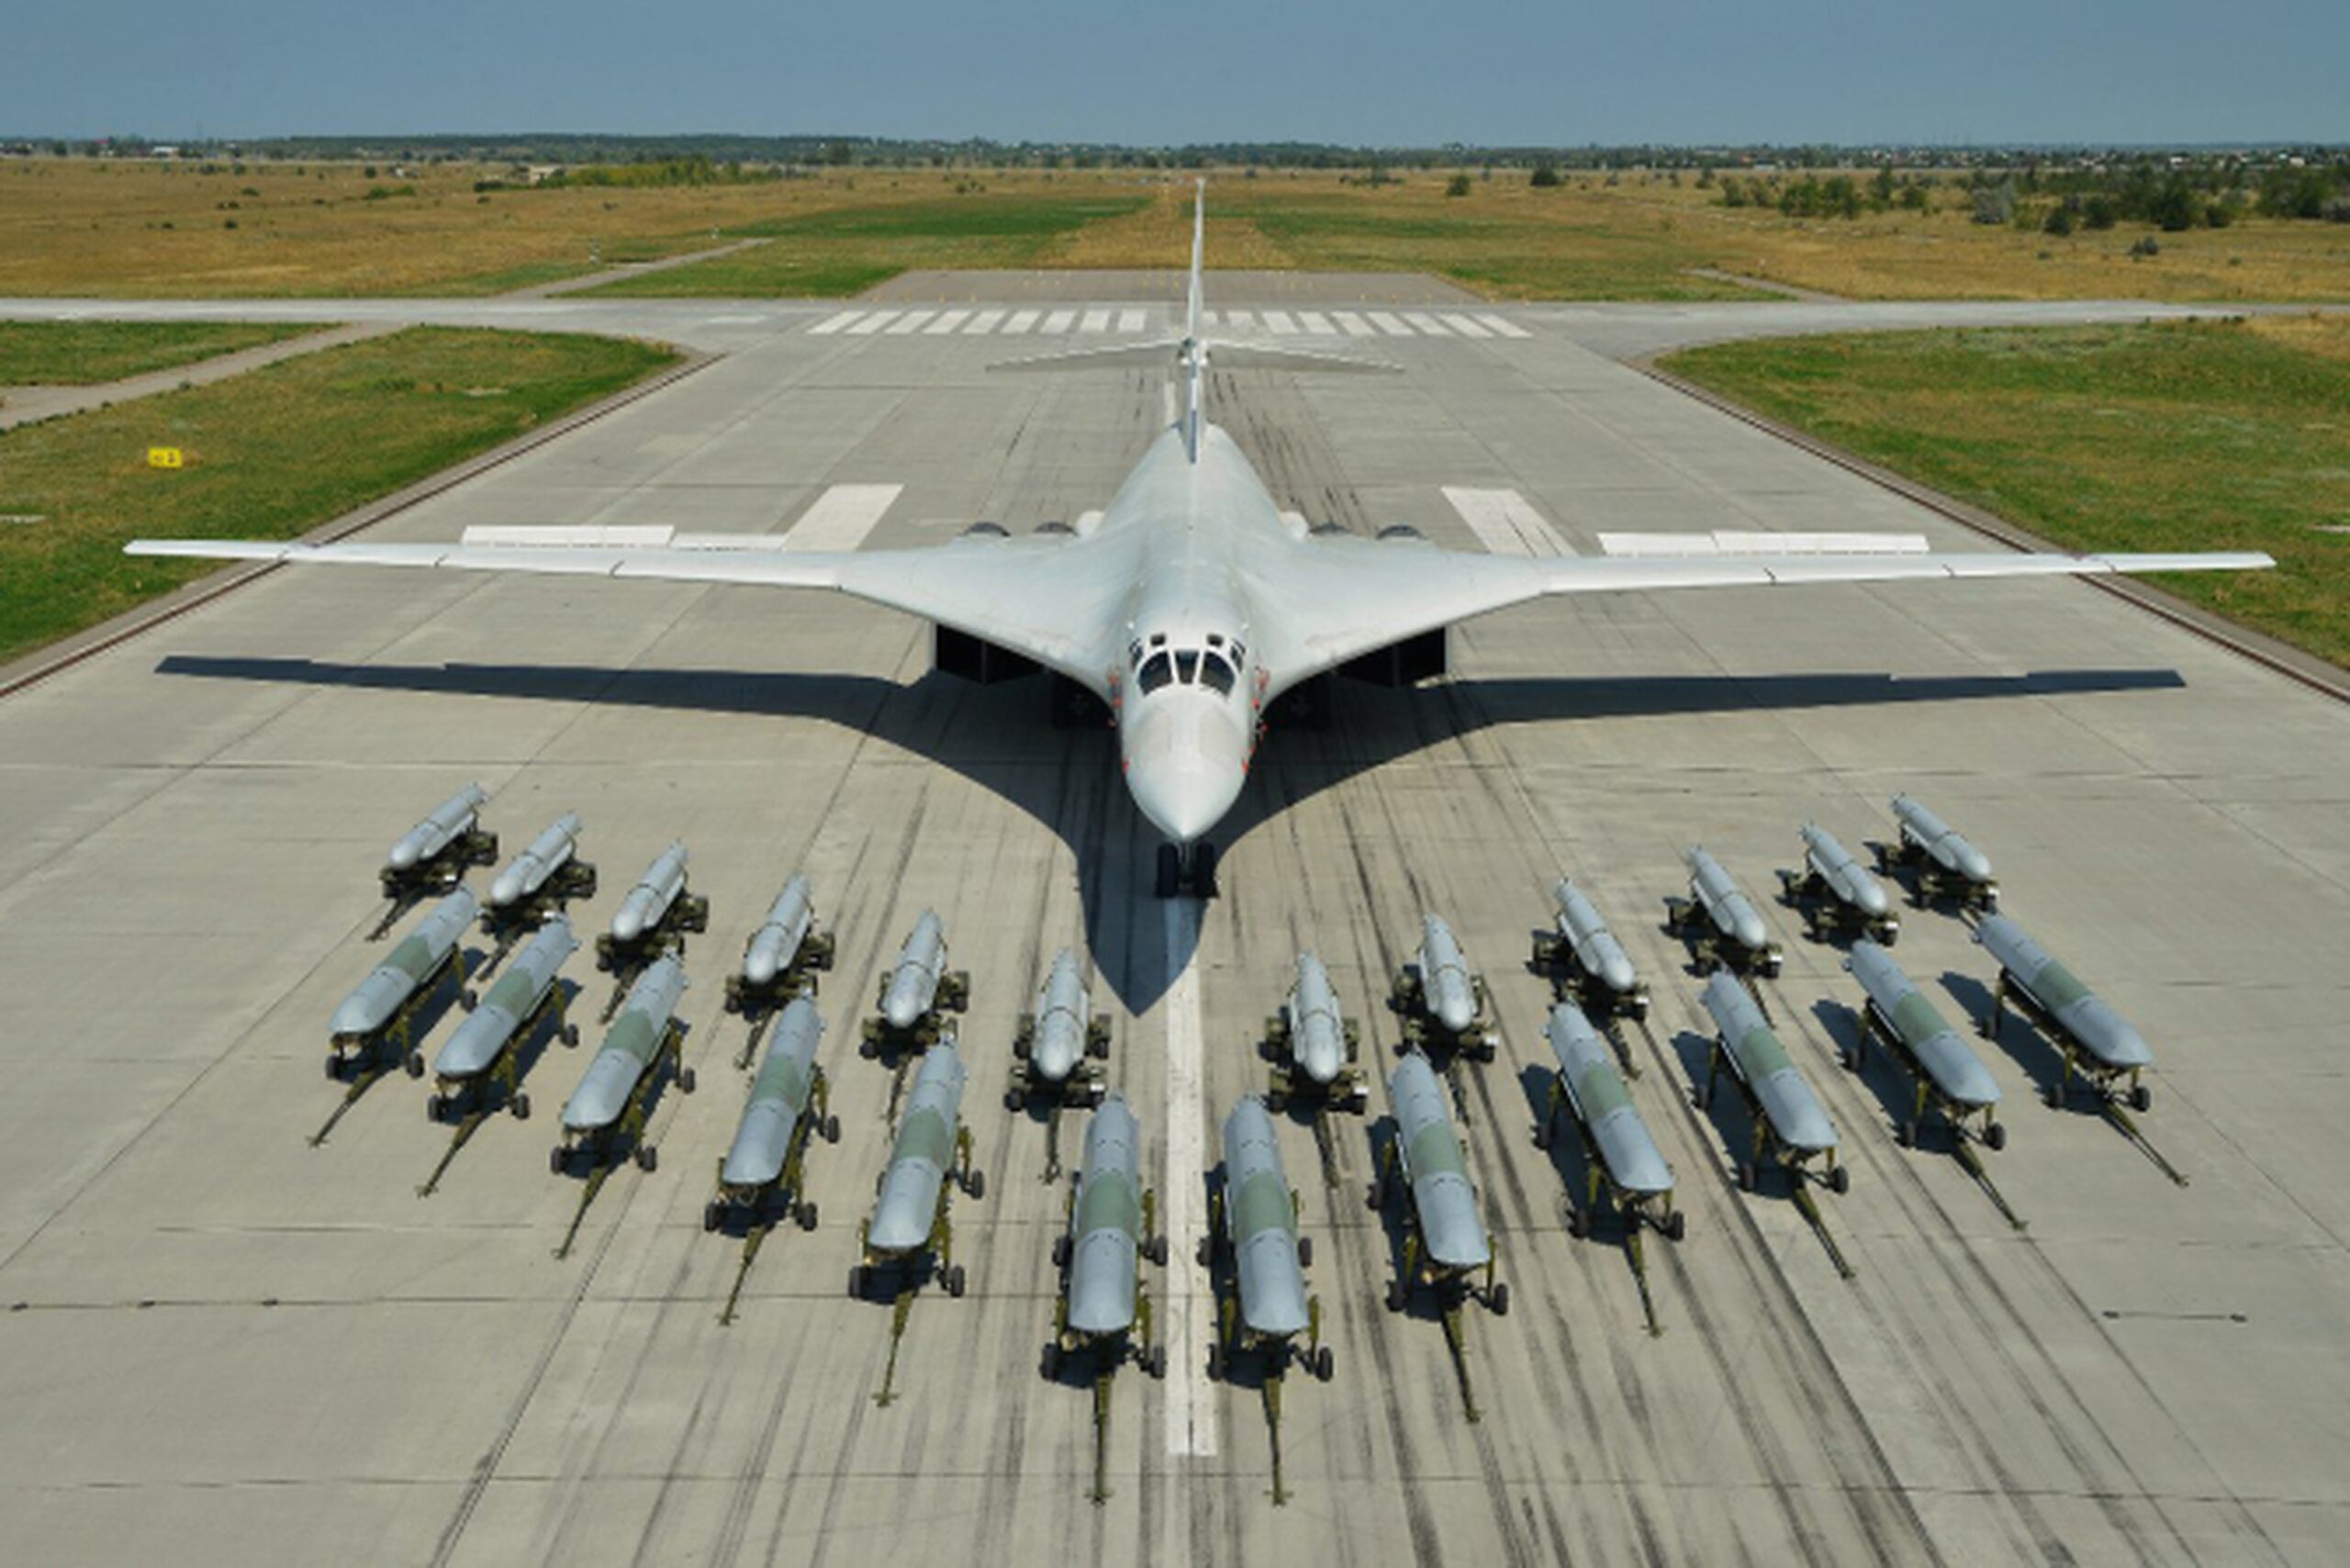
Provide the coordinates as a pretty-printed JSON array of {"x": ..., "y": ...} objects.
[{"x": 1187, "y": 870}]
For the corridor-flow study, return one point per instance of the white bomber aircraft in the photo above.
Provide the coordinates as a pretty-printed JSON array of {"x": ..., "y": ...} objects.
[{"x": 1192, "y": 605}]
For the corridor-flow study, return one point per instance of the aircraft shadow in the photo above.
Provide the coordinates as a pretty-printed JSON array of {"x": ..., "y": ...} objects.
[{"x": 1066, "y": 779}]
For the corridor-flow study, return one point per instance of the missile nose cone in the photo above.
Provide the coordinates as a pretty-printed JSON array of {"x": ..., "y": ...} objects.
[
  {"x": 403, "y": 856},
  {"x": 1872, "y": 900},
  {"x": 354, "y": 1017},
  {"x": 1618, "y": 972},
  {"x": 903, "y": 1008},
  {"x": 1454, "y": 1009},
  {"x": 759, "y": 967},
  {"x": 1972, "y": 863},
  {"x": 506, "y": 889},
  {"x": 1747, "y": 926},
  {"x": 628, "y": 925}
]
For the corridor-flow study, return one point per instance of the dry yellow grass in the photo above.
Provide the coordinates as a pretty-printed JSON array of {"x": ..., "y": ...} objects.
[{"x": 2325, "y": 336}]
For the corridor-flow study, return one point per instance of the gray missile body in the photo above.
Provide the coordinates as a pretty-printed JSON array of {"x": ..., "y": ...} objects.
[
  {"x": 453, "y": 817},
  {"x": 1842, "y": 875},
  {"x": 1730, "y": 911},
  {"x": 1782, "y": 1102},
  {"x": 1434, "y": 1170},
  {"x": 1063, "y": 1023},
  {"x": 1259, "y": 1213},
  {"x": 777, "y": 942},
  {"x": 1595, "y": 1091},
  {"x": 1317, "y": 1035},
  {"x": 1946, "y": 861},
  {"x": 490, "y": 1028},
  {"x": 1595, "y": 947},
  {"x": 912, "y": 989},
  {"x": 1106, "y": 1224},
  {"x": 417, "y": 960},
  {"x": 629, "y": 1051},
  {"x": 1449, "y": 991},
  {"x": 2100, "y": 1031},
  {"x": 1898, "y": 1006},
  {"x": 780, "y": 1095},
  {"x": 529, "y": 871},
  {"x": 907, "y": 1207},
  {"x": 650, "y": 900}
]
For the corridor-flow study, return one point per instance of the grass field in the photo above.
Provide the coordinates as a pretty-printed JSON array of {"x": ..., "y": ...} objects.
[
  {"x": 2184, "y": 436},
  {"x": 87, "y": 227},
  {"x": 271, "y": 454},
  {"x": 84, "y": 354}
]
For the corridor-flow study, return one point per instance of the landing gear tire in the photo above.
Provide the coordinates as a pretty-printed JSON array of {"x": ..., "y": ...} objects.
[
  {"x": 1840, "y": 1180},
  {"x": 1995, "y": 1137},
  {"x": 2142, "y": 1099},
  {"x": 1676, "y": 1227}
]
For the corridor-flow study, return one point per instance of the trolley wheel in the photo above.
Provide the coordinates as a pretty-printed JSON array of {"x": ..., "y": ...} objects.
[
  {"x": 1305, "y": 1252},
  {"x": 712, "y": 1212},
  {"x": 1676, "y": 1226},
  {"x": 832, "y": 1129},
  {"x": 1276, "y": 1102},
  {"x": 1578, "y": 1224},
  {"x": 1397, "y": 1295},
  {"x": 1154, "y": 1361},
  {"x": 1996, "y": 1136},
  {"x": 1060, "y": 1250},
  {"x": 648, "y": 1158},
  {"x": 686, "y": 1080},
  {"x": 1840, "y": 1180},
  {"x": 521, "y": 1107},
  {"x": 415, "y": 1064},
  {"x": 1326, "y": 1365},
  {"x": 956, "y": 1281},
  {"x": 1542, "y": 1135},
  {"x": 433, "y": 1107},
  {"x": 975, "y": 1185},
  {"x": 1906, "y": 1135},
  {"x": 468, "y": 997},
  {"x": 1014, "y": 1100},
  {"x": 1050, "y": 1365},
  {"x": 2141, "y": 1097},
  {"x": 1206, "y": 1251},
  {"x": 805, "y": 1213},
  {"x": 334, "y": 1066},
  {"x": 856, "y": 1276},
  {"x": 1497, "y": 1299},
  {"x": 868, "y": 1048},
  {"x": 1218, "y": 1362},
  {"x": 570, "y": 1036},
  {"x": 557, "y": 1162},
  {"x": 1746, "y": 1175},
  {"x": 2052, "y": 1096},
  {"x": 1155, "y": 1250}
]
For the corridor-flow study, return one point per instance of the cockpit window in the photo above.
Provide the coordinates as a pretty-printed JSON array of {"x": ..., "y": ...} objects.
[
  {"x": 1187, "y": 666},
  {"x": 1216, "y": 672},
  {"x": 1239, "y": 655},
  {"x": 1155, "y": 674},
  {"x": 1134, "y": 654},
  {"x": 1216, "y": 639}
]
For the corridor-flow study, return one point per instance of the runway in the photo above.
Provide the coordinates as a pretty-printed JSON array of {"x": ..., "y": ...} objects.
[{"x": 226, "y": 1344}]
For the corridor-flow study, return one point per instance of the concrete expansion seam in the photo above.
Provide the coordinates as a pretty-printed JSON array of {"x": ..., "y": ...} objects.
[
  {"x": 2305, "y": 668},
  {"x": 41, "y": 665}
]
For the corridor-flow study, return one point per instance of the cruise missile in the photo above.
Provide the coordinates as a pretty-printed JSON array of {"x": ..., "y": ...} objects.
[
  {"x": 1788, "y": 1121},
  {"x": 1445, "y": 1240},
  {"x": 1583, "y": 959},
  {"x": 1442, "y": 1002},
  {"x": 1948, "y": 1074},
  {"x": 1312, "y": 1044},
  {"x": 609, "y": 1103},
  {"x": 651, "y": 900},
  {"x": 787, "y": 1102},
  {"x": 1051, "y": 1045},
  {"x": 1254, "y": 1216},
  {"x": 480, "y": 1052},
  {"x": 1099, "y": 1254},
  {"x": 531, "y": 872},
  {"x": 448, "y": 822},
  {"x": 1620, "y": 1153},
  {"x": 2097, "y": 1043},
  {"x": 917, "y": 989},
  {"x": 406, "y": 975},
  {"x": 1832, "y": 877},
  {"x": 1946, "y": 862},
  {"x": 1739, "y": 931},
  {"x": 787, "y": 939},
  {"x": 909, "y": 1216}
]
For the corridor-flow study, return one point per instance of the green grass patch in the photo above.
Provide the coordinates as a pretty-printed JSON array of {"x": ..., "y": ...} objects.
[
  {"x": 84, "y": 354},
  {"x": 2176, "y": 436},
  {"x": 843, "y": 251},
  {"x": 270, "y": 455}
]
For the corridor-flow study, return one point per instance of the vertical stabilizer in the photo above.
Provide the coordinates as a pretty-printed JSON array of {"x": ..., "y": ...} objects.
[{"x": 1194, "y": 352}]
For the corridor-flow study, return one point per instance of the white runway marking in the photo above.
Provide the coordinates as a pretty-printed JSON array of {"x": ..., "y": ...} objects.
[
  {"x": 841, "y": 517},
  {"x": 947, "y": 322},
  {"x": 984, "y": 321},
  {"x": 1095, "y": 322},
  {"x": 1057, "y": 321},
  {"x": 735, "y": 320},
  {"x": 1021, "y": 321},
  {"x": 1426, "y": 323},
  {"x": 1130, "y": 321},
  {"x": 1389, "y": 325},
  {"x": 871, "y": 324},
  {"x": 1466, "y": 326},
  {"x": 1505, "y": 522},
  {"x": 1279, "y": 321},
  {"x": 1353, "y": 325},
  {"x": 1505, "y": 326},
  {"x": 909, "y": 321},
  {"x": 1240, "y": 321},
  {"x": 1191, "y": 1401},
  {"x": 1315, "y": 322}
]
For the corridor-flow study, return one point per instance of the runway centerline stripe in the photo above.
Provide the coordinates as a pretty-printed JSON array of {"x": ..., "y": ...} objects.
[
  {"x": 1095, "y": 322},
  {"x": 1389, "y": 325},
  {"x": 1191, "y": 1403},
  {"x": 833, "y": 323},
  {"x": 1505, "y": 522},
  {"x": 1505, "y": 326},
  {"x": 871, "y": 324},
  {"x": 947, "y": 322},
  {"x": 984, "y": 321},
  {"x": 909, "y": 321},
  {"x": 1353, "y": 325},
  {"x": 841, "y": 517}
]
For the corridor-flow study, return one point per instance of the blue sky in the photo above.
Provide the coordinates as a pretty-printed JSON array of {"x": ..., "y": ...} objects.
[{"x": 1696, "y": 70}]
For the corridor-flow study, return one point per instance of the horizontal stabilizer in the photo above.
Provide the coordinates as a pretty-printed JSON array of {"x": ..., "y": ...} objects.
[
  {"x": 1248, "y": 356},
  {"x": 1733, "y": 542},
  {"x": 1165, "y": 354}
]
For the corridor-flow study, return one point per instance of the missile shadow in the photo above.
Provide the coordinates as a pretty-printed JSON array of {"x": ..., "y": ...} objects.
[
  {"x": 1893, "y": 1090},
  {"x": 2042, "y": 1059},
  {"x": 1068, "y": 779}
]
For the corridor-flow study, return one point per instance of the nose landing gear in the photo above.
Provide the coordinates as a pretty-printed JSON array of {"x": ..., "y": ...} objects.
[{"x": 1187, "y": 870}]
